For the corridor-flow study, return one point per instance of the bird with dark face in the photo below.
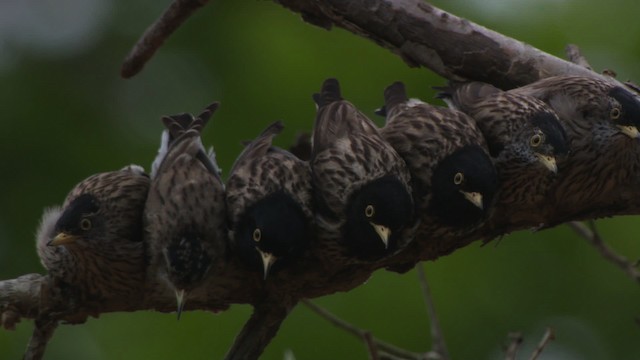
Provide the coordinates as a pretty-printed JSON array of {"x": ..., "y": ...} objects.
[
  {"x": 524, "y": 136},
  {"x": 601, "y": 119},
  {"x": 361, "y": 184},
  {"x": 185, "y": 211},
  {"x": 582, "y": 102},
  {"x": 269, "y": 204},
  {"x": 454, "y": 179},
  {"x": 94, "y": 241}
]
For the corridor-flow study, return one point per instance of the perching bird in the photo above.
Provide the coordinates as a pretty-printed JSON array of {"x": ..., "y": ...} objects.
[
  {"x": 361, "y": 185},
  {"x": 453, "y": 176},
  {"x": 269, "y": 204},
  {"x": 524, "y": 136},
  {"x": 185, "y": 212},
  {"x": 596, "y": 101},
  {"x": 94, "y": 241},
  {"x": 601, "y": 120}
]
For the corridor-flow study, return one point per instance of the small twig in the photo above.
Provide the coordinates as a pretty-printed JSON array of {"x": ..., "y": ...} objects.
[
  {"x": 390, "y": 350},
  {"x": 590, "y": 233},
  {"x": 548, "y": 336},
  {"x": 157, "y": 33},
  {"x": 42, "y": 333},
  {"x": 438, "y": 344},
  {"x": 575, "y": 56},
  {"x": 512, "y": 349},
  {"x": 371, "y": 346}
]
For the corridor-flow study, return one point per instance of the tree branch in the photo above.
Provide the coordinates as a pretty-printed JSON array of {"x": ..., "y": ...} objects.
[
  {"x": 512, "y": 350},
  {"x": 387, "y": 348},
  {"x": 258, "y": 331},
  {"x": 546, "y": 338},
  {"x": 438, "y": 344},
  {"x": 157, "y": 33},
  {"x": 591, "y": 234},
  {"x": 422, "y": 35}
]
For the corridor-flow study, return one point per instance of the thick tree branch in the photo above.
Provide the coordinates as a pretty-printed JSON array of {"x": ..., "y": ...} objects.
[{"x": 259, "y": 330}]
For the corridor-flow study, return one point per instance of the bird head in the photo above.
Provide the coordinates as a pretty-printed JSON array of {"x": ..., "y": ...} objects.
[
  {"x": 273, "y": 231},
  {"x": 463, "y": 186},
  {"x": 624, "y": 111},
  {"x": 376, "y": 215},
  {"x": 81, "y": 221},
  {"x": 546, "y": 139}
]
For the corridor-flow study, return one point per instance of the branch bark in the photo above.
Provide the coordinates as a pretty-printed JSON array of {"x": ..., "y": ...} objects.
[{"x": 422, "y": 35}]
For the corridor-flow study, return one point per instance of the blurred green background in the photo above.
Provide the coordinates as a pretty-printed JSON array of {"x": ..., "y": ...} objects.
[{"x": 66, "y": 114}]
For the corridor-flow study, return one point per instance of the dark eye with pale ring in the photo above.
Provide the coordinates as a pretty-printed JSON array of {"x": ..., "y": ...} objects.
[
  {"x": 369, "y": 211},
  {"x": 257, "y": 235},
  {"x": 536, "y": 140},
  {"x": 458, "y": 178},
  {"x": 85, "y": 224},
  {"x": 615, "y": 113}
]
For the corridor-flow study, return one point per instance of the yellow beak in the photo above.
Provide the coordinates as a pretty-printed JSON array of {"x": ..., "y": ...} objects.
[
  {"x": 474, "y": 197},
  {"x": 384, "y": 233},
  {"x": 267, "y": 260},
  {"x": 549, "y": 162},
  {"x": 630, "y": 131},
  {"x": 63, "y": 239}
]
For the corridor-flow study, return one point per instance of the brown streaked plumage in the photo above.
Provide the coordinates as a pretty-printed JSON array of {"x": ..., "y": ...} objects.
[
  {"x": 94, "y": 241},
  {"x": 185, "y": 212},
  {"x": 269, "y": 204},
  {"x": 601, "y": 119},
  {"x": 361, "y": 185},
  {"x": 454, "y": 178},
  {"x": 524, "y": 136}
]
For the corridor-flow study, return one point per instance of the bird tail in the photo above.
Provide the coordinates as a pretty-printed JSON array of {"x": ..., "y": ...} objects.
[
  {"x": 459, "y": 95},
  {"x": 329, "y": 93},
  {"x": 394, "y": 95}
]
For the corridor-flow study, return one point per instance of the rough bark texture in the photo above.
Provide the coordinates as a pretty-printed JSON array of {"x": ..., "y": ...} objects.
[{"x": 423, "y": 36}]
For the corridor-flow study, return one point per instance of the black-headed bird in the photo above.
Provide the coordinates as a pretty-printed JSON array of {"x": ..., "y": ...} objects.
[{"x": 269, "y": 203}]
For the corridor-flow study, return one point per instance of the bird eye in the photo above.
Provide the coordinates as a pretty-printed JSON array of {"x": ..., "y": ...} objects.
[
  {"x": 85, "y": 224},
  {"x": 615, "y": 113},
  {"x": 458, "y": 178},
  {"x": 369, "y": 211},
  {"x": 257, "y": 235},
  {"x": 536, "y": 140}
]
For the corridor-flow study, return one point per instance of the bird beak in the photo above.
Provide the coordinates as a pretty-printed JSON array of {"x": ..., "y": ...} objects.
[
  {"x": 474, "y": 197},
  {"x": 180, "y": 298},
  {"x": 630, "y": 131},
  {"x": 384, "y": 233},
  {"x": 63, "y": 239},
  {"x": 549, "y": 162},
  {"x": 267, "y": 260}
]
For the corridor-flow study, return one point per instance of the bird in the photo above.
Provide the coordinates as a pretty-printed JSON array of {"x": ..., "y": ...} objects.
[
  {"x": 269, "y": 203},
  {"x": 524, "y": 136},
  {"x": 582, "y": 101},
  {"x": 601, "y": 119},
  {"x": 185, "y": 212},
  {"x": 362, "y": 191},
  {"x": 454, "y": 178},
  {"x": 94, "y": 241}
]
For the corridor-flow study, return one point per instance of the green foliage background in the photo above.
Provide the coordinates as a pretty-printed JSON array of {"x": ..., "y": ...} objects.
[{"x": 66, "y": 114}]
